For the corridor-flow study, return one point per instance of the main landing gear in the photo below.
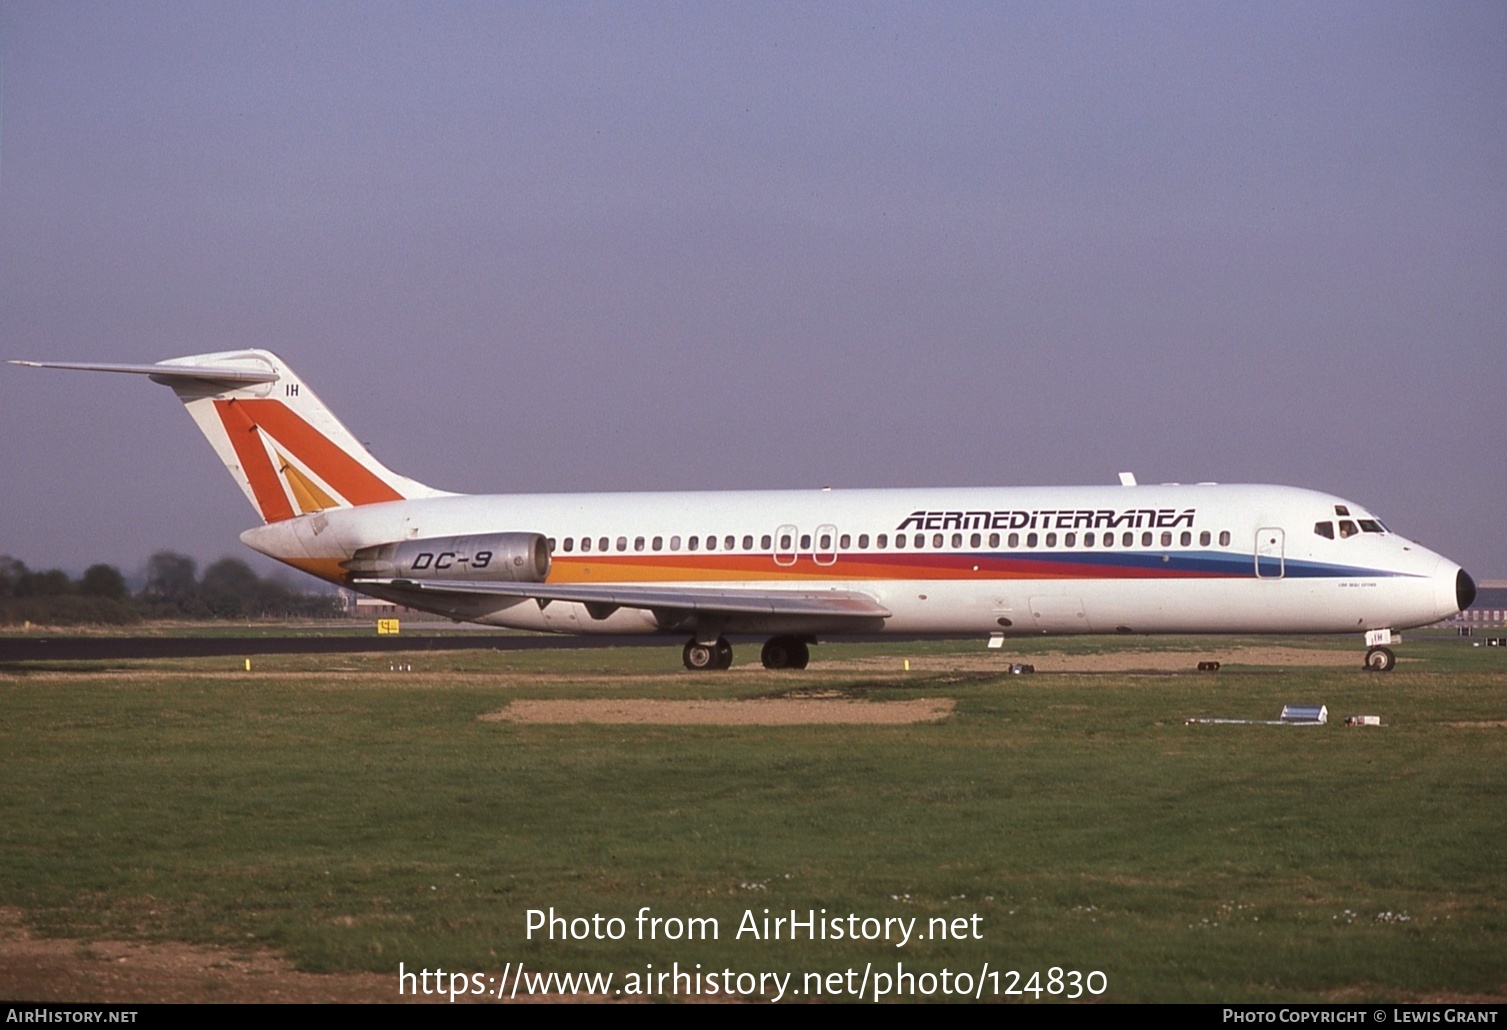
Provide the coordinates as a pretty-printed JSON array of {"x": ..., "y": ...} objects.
[
  {"x": 703, "y": 657},
  {"x": 785, "y": 653},
  {"x": 779, "y": 653}
]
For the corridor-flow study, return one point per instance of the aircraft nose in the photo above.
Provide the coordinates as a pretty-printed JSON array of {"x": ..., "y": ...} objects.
[{"x": 1465, "y": 590}]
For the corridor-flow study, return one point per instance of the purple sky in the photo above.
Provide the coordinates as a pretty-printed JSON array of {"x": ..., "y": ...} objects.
[{"x": 562, "y": 247}]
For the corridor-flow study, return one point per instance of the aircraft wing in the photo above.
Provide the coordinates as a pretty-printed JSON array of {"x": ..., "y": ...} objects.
[{"x": 608, "y": 596}]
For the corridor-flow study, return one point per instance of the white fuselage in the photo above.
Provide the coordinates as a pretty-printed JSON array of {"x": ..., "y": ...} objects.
[
  {"x": 1016, "y": 560},
  {"x": 793, "y": 564}
]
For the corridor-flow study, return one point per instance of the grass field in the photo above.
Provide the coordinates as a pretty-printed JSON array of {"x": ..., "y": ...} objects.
[{"x": 353, "y": 817}]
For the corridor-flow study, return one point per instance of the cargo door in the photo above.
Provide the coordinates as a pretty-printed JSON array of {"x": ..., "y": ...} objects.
[{"x": 1054, "y": 613}]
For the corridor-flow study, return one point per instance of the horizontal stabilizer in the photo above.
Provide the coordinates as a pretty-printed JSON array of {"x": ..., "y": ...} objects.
[
  {"x": 164, "y": 373},
  {"x": 287, "y": 452}
]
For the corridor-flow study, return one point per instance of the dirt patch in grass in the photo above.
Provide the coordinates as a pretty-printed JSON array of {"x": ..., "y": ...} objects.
[
  {"x": 759, "y": 712},
  {"x": 117, "y": 972}
]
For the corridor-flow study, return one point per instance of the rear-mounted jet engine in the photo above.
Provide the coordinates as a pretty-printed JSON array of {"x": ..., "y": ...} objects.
[{"x": 504, "y": 557}]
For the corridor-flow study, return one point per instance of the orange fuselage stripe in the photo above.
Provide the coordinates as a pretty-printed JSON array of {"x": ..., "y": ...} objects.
[
  {"x": 328, "y": 569},
  {"x": 614, "y": 568},
  {"x": 750, "y": 567}
]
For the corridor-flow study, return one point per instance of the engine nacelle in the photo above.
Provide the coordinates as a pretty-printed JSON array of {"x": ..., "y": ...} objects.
[{"x": 508, "y": 557}]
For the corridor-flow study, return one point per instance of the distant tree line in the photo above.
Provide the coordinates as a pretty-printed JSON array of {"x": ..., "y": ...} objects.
[{"x": 173, "y": 589}]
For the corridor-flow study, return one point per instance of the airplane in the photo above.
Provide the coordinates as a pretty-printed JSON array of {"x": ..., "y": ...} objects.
[{"x": 794, "y": 566}]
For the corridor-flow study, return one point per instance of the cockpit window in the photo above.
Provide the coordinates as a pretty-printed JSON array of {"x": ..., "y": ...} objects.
[
  {"x": 1340, "y": 509},
  {"x": 1324, "y": 529},
  {"x": 1347, "y": 528},
  {"x": 1370, "y": 526}
]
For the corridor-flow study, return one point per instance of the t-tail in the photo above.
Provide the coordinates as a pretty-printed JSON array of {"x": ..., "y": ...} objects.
[{"x": 289, "y": 453}]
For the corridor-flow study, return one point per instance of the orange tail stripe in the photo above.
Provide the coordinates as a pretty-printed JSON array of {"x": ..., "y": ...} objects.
[
  {"x": 352, "y": 480},
  {"x": 305, "y": 491},
  {"x": 268, "y": 489}
]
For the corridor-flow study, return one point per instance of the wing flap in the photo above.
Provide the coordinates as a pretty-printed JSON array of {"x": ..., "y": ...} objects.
[{"x": 742, "y": 600}]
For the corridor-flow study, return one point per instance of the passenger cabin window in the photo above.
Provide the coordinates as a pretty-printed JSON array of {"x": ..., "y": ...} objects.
[
  {"x": 1347, "y": 529},
  {"x": 844, "y": 542},
  {"x": 659, "y": 543},
  {"x": 1145, "y": 539},
  {"x": 863, "y": 541},
  {"x": 1128, "y": 540},
  {"x": 602, "y": 544},
  {"x": 936, "y": 540},
  {"x": 1088, "y": 540},
  {"x": 993, "y": 540},
  {"x": 766, "y": 542},
  {"x": 748, "y": 543},
  {"x": 1013, "y": 541},
  {"x": 569, "y": 544},
  {"x": 638, "y": 543},
  {"x": 1204, "y": 539},
  {"x": 694, "y": 543},
  {"x": 622, "y": 543},
  {"x": 785, "y": 542},
  {"x": 728, "y": 543},
  {"x": 805, "y": 541},
  {"x": 674, "y": 543},
  {"x": 1187, "y": 538},
  {"x": 1166, "y": 538},
  {"x": 711, "y": 543},
  {"x": 1031, "y": 539},
  {"x": 1224, "y": 538},
  {"x": 586, "y": 543},
  {"x": 1324, "y": 529},
  {"x": 1070, "y": 540},
  {"x": 882, "y": 540}
]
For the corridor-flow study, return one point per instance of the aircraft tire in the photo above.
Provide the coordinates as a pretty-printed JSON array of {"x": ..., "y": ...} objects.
[
  {"x": 1380, "y": 659},
  {"x": 724, "y": 654},
  {"x": 785, "y": 653},
  {"x": 800, "y": 655},
  {"x": 700, "y": 657}
]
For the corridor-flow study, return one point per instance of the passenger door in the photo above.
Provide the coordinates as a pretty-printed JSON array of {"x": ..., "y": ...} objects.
[{"x": 1269, "y": 563}]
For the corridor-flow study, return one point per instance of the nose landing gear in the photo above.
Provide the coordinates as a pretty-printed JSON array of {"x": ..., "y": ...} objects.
[{"x": 1379, "y": 657}]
